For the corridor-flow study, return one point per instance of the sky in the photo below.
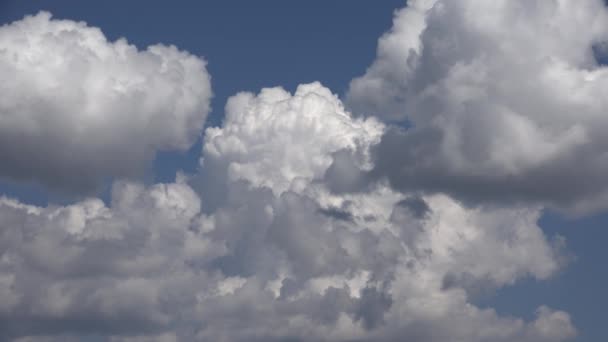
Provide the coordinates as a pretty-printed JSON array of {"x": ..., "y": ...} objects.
[{"x": 320, "y": 170}]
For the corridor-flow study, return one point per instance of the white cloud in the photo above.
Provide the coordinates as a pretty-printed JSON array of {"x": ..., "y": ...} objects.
[
  {"x": 284, "y": 141},
  {"x": 77, "y": 109},
  {"x": 281, "y": 235},
  {"x": 130, "y": 269},
  {"x": 504, "y": 99},
  {"x": 279, "y": 255}
]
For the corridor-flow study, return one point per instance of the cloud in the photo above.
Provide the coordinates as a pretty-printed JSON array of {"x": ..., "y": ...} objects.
[
  {"x": 77, "y": 109},
  {"x": 503, "y": 101},
  {"x": 278, "y": 256},
  {"x": 283, "y": 141},
  {"x": 152, "y": 264}
]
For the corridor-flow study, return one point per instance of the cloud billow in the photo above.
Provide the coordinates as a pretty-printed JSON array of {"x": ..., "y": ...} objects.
[
  {"x": 77, "y": 109},
  {"x": 504, "y": 100},
  {"x": 304, "y": 222},
  {"x": 270, "y": 259}
]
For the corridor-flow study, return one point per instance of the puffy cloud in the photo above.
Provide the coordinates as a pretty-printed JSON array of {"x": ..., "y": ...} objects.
[
  {"x": 503, "y": 100},
  {"x": 281, "y": 235},
  {"x": 77, "y": 109},
  {"x": 279, "y": 256},
  {"x": 285, "y": 141},
  {"x": 87, "y": 268},
  {"x": 263, "y": 267}
]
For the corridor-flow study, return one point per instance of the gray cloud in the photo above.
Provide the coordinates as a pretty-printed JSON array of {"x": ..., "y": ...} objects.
[
  {"x": 304, "y": 223},
  {"x": 503, "y": 100}
]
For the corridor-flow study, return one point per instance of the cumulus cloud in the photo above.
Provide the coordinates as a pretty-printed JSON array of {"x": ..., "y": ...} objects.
[
  {"x": 304, "y": 222},
  {"x": 77, "y": 109},
  {"x": 283, "y": 141},
  {"x": 279, "y": 256},
  {"x": 266, "y": 267},
  {"x": 503, "y": 100}
]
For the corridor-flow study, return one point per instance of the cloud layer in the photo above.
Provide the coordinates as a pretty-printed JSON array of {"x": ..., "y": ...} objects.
[
  {"x": 77, "y": 109},
  {"x": 277, "y": 255},
  {"x": 304, "y": 222},
  {"x": 504, "y": 100}
]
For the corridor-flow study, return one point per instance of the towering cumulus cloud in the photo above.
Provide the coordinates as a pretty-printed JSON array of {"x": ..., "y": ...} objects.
[
  {"x": 283, "y": 141},
  {"x": 76, "y": 109},
  {"x": 304, "y": 222},
  {"x": 258, "y": 247},
  {"x": 504, "y": 100}
]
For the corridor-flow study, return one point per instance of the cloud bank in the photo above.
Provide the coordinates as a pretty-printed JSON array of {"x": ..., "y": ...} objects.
[
  {"x": 77, "y": 109},
  {"x": 281, "y": 235},
  {"x": 279, "y": 255},
  {"x": 504, "y": 100}
]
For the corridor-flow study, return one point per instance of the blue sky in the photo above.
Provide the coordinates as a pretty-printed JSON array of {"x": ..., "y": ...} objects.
[
  {"x": 578, "y": 288},
  {"x": 250, "y": 45}
]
